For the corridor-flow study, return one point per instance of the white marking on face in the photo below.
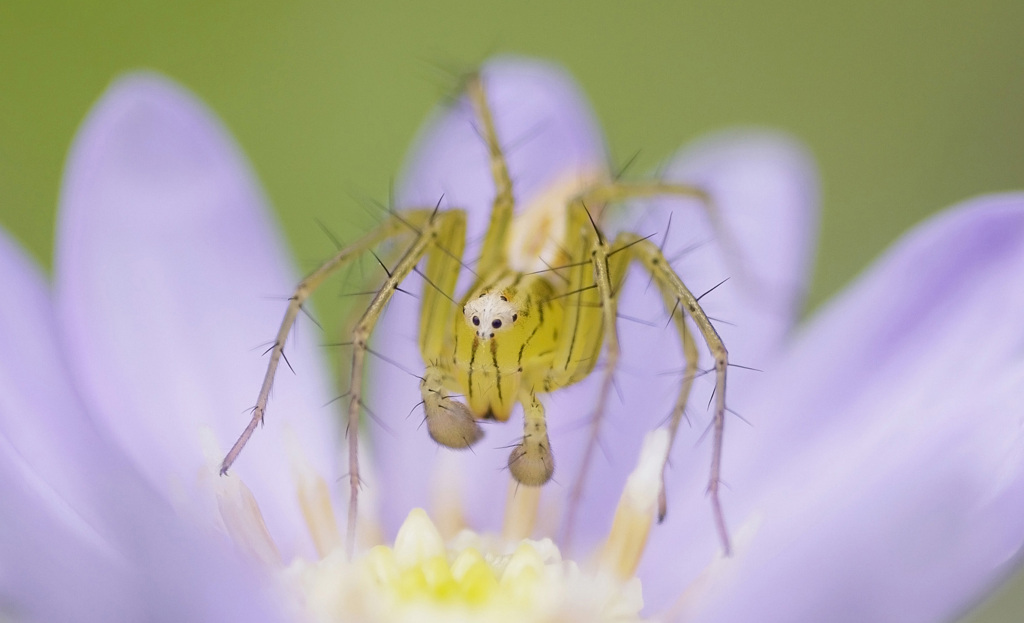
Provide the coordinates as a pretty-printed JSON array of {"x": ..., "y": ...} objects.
[{"x": 490, "y": 313}]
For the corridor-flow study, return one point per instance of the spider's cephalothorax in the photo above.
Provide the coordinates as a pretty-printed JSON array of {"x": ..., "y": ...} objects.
[
  {"x": 518, "y": 335},
  {"x": 541, "y": 309}
]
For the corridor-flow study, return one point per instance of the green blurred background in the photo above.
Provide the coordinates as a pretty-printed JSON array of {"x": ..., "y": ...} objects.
[{"x": 908, "y": 106}]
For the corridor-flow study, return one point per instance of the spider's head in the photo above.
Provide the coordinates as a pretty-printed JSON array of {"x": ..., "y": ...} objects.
[{"x": 490, "y": 313}]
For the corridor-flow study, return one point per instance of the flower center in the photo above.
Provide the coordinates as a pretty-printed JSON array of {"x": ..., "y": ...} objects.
[{"x": 472, "y": 578}]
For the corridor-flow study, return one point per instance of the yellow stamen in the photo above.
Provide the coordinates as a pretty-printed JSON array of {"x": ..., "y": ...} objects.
[
  {"x": 239, "y": 512},
  {"x": 244, "y": 521},
  {"x": 637, "y": 506},
  {"x": 314, "y": 499},
  {"x": 475, "y": 576},
  {"x": 417, "y": 540}
]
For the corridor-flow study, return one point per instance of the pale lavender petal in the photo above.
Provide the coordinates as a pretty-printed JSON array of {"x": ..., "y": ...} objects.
[
  {"x": 170, "y": 277},
  {"x": 82, "y": 536},
  {"x": 548, "y": 133},
  {"x": 889, "y": 457}
]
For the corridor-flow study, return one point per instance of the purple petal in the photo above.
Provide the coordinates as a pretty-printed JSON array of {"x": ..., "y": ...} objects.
[
  {"x": 82, "y": 536},
  {"x": 170, "y": 276},
  {"x": 889, "y": 460},
  {"x": 548, "y": 133}
]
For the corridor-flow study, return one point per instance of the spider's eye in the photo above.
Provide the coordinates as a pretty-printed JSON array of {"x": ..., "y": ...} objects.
[
  {"x": 515, "y": 317},
  {"x": 503, "y": 298},
  {"x": 476, "y": 321},
  {"x": 496, "y": 324}
]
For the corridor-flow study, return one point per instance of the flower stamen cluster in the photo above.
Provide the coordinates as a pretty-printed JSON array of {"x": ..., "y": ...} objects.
[{"x": 472, "y": 576}]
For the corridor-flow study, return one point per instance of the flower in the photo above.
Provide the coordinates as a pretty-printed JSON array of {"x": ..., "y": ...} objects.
[{"x": 880, "y": 477}]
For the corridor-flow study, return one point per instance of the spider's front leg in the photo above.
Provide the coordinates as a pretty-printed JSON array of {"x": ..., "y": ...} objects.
[
  {"x": 441, "y": 227},
  {"x": 596, "y": 275},
  {"x": 609, "y": 264},
  {"x": 429, "y": 227},
  {"x": 673, "y": 289},
  {"x": 393, "y": 227}
]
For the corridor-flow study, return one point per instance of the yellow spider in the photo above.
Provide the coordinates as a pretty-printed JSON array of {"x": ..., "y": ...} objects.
[{"x": 524, "y": 328}]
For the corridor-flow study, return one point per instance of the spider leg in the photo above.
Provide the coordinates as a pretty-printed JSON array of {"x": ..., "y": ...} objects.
[
  {"x": 690, "y": 356},
  {"x": 673, "y": 288},
  {"x": 606, "y": 272},
  {"x": 449, "y": 421},
  {"x": 494, "y": 252},
  {"x": 391, "y": 228},
  {"x": 438, "y": 226},
  {"x": 617, "y": 191},
  {"x": 428, "y": 226},
  {"x": 579, "y": 341},
  {"x": 620, "y": 190},
  {"x": 677, "y": 294},
  {"x": 441, "y": 274}
]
